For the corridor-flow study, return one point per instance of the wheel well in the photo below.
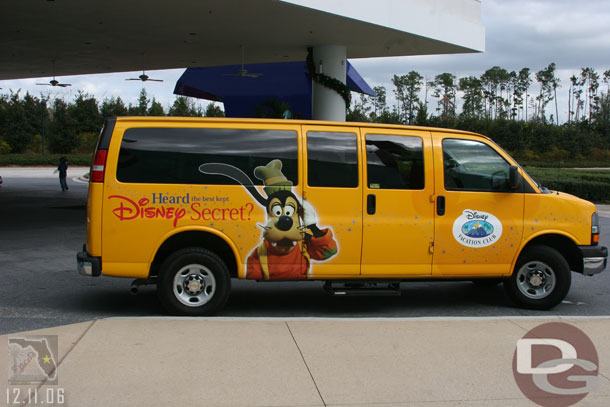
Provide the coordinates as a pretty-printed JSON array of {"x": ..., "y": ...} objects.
[
  {"x": 564, "y": 245},
  {"x": 204, "y": 240}
]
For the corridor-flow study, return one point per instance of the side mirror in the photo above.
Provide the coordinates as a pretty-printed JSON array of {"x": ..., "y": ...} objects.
[{"x": 514, "y": 179}]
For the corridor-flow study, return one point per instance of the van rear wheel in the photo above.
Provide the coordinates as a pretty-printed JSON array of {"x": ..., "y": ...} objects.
[
  {"x": 541, "y": 278},
  {"x": 193, "y": 281}
]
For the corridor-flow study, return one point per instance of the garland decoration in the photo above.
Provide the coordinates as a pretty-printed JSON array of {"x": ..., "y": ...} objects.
[{"x": 327, "y": 81}]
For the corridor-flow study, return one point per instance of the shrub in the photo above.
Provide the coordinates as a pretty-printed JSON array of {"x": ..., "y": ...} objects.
[
  {"x": 592, "y": 185},
  {"x": 46, "y": 160},
  {"x": 86, "y": 142},
  {"x": 4, "y": 147}
]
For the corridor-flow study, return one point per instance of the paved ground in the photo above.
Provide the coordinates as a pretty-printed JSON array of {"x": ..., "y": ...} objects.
[
  {"x": 43, "y": 228},
  {"x": 322, "y": 362}
]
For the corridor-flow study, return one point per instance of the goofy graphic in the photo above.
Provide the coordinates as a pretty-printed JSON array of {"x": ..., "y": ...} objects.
[{"x": 291, "y": 236}]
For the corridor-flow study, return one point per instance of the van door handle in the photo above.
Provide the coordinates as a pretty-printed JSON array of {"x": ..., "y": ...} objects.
[
  {"x": 371, "y": 204},
  {"x": 440, "y": 205}
]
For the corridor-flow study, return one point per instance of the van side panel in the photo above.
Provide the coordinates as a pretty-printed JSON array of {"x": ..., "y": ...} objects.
[
  {"x": 571, "y": 216},
  {"x": 139, "y": 212},
  {"x": 480, "y": 231},
  {"x": 94, "y": 218},
  {"x": 399, "y": 182},
  {"x": 332, "y": 187}
]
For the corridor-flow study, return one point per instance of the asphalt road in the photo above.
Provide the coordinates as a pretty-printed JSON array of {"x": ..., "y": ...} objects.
[{"x": 42, "y": 228}]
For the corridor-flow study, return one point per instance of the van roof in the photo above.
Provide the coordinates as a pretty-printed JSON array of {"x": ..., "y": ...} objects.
[{"x": 291, "y": 121}]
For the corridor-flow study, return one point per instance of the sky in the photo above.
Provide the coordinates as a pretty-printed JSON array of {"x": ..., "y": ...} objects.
[{"x": 519, "y": 33}]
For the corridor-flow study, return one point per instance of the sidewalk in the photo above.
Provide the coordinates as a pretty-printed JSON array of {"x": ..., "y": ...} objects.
[{"x": 301, "y": 362}]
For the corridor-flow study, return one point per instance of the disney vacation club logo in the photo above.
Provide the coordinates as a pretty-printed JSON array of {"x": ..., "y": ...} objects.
[{"x": 477, "y": 229}]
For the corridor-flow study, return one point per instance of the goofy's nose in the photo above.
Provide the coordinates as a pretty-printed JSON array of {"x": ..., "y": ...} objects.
[{"x": 284, "y": 223}]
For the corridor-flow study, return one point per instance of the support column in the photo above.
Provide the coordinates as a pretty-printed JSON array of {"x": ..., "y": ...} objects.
[{"x": 327, "y": 103}]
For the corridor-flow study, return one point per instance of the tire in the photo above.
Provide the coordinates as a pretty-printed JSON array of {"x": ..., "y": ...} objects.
[
  {"x": 541, "y": 279},
  {"x": 195, "y": 269}
]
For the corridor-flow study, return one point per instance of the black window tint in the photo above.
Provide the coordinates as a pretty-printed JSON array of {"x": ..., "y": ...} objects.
[
  {"x": 332, "y": 159},
  {"x": 474, "y": 166},
  {"x": 394, "y": 162},
  {"x": 173, "y": 155}
]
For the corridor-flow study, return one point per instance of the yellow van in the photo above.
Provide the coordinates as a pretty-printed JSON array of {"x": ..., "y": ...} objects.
[{"x": 190, "y": 203}]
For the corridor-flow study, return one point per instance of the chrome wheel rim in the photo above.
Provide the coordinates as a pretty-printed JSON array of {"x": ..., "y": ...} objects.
[
  {"x": 536, "y": 280},
  {"x": 194, "y": 285}
]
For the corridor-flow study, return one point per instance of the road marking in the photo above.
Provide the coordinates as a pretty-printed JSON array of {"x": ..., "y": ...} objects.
[{"x": 573, "y": 303}]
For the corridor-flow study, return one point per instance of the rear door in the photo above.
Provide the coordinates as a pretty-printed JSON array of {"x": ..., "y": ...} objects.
[
  {"x": 332, "y": 192},
  {"x": 399, "y": 212},
  {"x": 479, "y": 219}
]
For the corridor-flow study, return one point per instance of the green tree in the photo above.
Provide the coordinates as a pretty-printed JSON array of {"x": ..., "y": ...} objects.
[
  {"x": 472, "y": 89},
  {"x": 520, "y": 84},
  {"x": 185, "y": 107},
  {"x": 212, "y": 110},
  {"x": 155, "y": 109},
  {"x": 606, "y": 80},
  {"x": 379, "y": 102},
  {"x": 388, "y": 117},
  {"x": 521, "y": 90},
  {"x": 113, "y": 107},
  {"x": 575, "y": 103},
  {"x": 5, "y": 148},
  {"x": 548, "y": 90},
  {"x": 590, "y": 80},
  {"x": 62, "y": 133},
  {"x": 407, "y": 88},
  {"x": 602, "y": 116},
  {"x": 21, "y": 121},
  {"x": 422, "y": 114},
  {"x": 142, "y": 107},
  {"x": 84, "y": 114},
  {"x": 359, "y": 110},
  {"x": 495, "y": 80},
  {"x": 444, "y": 89}
]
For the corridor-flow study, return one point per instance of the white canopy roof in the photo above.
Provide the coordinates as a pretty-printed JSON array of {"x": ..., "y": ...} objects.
[{"x": 98, "y": 36}]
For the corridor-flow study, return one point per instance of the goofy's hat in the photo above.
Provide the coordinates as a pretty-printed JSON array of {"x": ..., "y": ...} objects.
[{"x": 271, "y": 175}]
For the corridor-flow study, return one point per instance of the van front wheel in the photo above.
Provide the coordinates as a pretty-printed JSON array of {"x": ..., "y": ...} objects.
[
  {"x": 541, "y": 278},
  {"x": 193, "y": 281}
]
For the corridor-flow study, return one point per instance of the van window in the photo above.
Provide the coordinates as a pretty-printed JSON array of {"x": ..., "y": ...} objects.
[
  {"x": 394, "y": 162},
  {"x": 173, "y": 155},
  {"x": 332, "y": 159},
  {"x": 474, "y": 166}
]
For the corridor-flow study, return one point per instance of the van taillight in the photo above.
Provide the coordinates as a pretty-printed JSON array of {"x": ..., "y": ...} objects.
[{"x": 99, "y": 166}]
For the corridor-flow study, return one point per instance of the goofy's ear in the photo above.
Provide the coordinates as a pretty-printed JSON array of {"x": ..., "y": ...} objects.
[
  {"x": 236, "y": 174},
  {"x": 300, "y": 210}
]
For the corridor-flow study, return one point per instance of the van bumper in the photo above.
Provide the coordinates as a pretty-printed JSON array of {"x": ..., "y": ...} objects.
[
  {"x": 594, "y": 259},
  {"x": 88, "y": 265}
]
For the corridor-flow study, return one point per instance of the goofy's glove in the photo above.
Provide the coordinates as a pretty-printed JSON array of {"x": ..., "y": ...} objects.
[{"x": 310, "y": 219}]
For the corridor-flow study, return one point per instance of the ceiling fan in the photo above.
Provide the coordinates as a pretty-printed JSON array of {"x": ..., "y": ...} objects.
[
  {"x": 243, "y": 72},
  {"x": 54, "y": 82},
  {"x": 144, "y": 78}
]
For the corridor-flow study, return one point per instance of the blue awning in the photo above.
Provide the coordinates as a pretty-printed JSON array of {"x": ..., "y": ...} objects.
[{"x": 286, "y": 83}]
